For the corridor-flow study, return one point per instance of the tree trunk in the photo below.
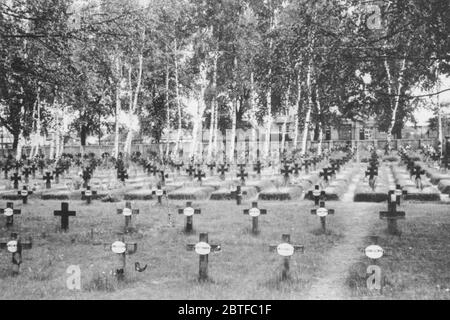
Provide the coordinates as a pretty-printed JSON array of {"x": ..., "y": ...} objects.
[
  {"x": 254, "y": 144},
  {"x": 213, "y": 107},
  {"x": 118, "y": 108},
  {"x": 319, "y": 108},
  {"x": 177, "y": 98},
  {"x": 168, "y": 110},
  {"x": 297, "y": 110},
  {"x": 309, "y": 107},
  {"x": 232, "y": 158}
]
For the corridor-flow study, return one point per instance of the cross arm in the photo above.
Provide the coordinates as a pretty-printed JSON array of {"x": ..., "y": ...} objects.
[{"x": 392, "y": 215}]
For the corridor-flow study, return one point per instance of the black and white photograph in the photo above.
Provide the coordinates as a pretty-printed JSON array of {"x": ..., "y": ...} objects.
[{"x": 242, "y": 151}]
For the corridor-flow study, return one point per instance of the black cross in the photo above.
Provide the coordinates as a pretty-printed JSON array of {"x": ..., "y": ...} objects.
[
  {"x": 6, "y": 169},
  {"x": 163, "y": 177},
  {"x": 26, "y": 173},
  {"x": 33, "y": 170},
  {"x": 148, "y": 167},
  {"x": 122, "y": 175},
  {"x": 286, "y": 249},
  {"x": 307, "y": 164},
  {"x": 16, "y": 178},
  {"x": 122, "y": 248},
  {"x": 58, "y": 170},
  {"x": 24, "y": 193},
  {"x": 203, "y": 248},
  {"x": 399, "y": 192},
  {"x": 199, "y": 175},
  {"x": 41, "y": 165},
  {"x": 87, "y": 194},
  {"x": 15, "y": 246},
  {"x": 372, "y": 172},
  {"x": 237, "y": 194},
  {"x": 9, "y": 212},
  {"x": 154, "y": 170},
  {"x": 392, "y": 215},
  {"x": 325, "y": 174},
  {"x": 242, "y": 175},
  {"x": 64, "y": 213},
  {"x": 48, "y": 177},
  {"x": 286, "y": 171},
  {"x": 178, "y": 166},
  {"x": 255, "y": 212},
  {"x": 159, "y": 193},
  {"x": 322, "y": 212},
  {"x": 190, "y": 170},
  {"x": 317, "y": 195},
  {"x": 257, "y": 167},
  {"x": 128, "y": 212},
  {"x": 417, "y": 172},
  {"x": 297, "y": 168},
  {"x": 222, "y": 169},
  {"x": 211, "y": 167},
  {"x": 87, "y": 175},
  {"x": 189, "y": 213}
]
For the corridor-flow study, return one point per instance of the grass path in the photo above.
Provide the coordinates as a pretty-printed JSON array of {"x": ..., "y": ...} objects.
[{"x": 332, "y": 283}]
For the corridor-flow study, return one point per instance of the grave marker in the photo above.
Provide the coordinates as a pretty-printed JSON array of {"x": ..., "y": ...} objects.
[
  {"x": 322, "y": 213},
  {"x": 48, "y": 177},
  {"x": 255, "y": 212},
  {"x": 237, "y": 194},
  {"x": 87, "y": 194},
  {"x": 127, "y": 212},
  {"x": 286, "y": 171},
  {"x": 122, "y": 248},
  {"x": 242, "y": 175},
  {"x": 26, "y": 173},
  {"x": 15, "y": 246},
  {"x": 372, "y": 172},
  {"x": 189, "y": 213},
  {"x": 9, "y": 213},
  {"x": 24, "y": 193},
  {"x": 203, "y": 249},
  {"x": 16, "y": 178},
  {"x": 64, "y": 213},
  {"x": 318, "y": 195},
  {"x": 122, "y": 175},
  {"x": 222, "y": 169},
  {"x": 159, "y": 192},
  {"x": 199, "y": 175},
  {"x": 286, "y": 250},
  {"x": 392, "y": 215}
]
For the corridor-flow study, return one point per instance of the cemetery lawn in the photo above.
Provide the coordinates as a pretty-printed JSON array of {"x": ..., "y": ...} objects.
[
  {"x": 417, "y": 264},
  {"x": 244, "y": 269}
]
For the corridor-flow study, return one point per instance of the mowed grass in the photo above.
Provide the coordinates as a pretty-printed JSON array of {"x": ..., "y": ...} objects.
[
  {"x": 244, "y": 269},
  {"x": 416, "y": 264}
]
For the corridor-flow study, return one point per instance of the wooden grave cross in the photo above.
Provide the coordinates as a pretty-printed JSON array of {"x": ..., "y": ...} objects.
[
  {"x": 18, "y": 166},
  {"x": 318, "y": 195},
  {"x": 9, "y": 213},
  {"x": 6, "y": 169},
  {"x": 189, "y": 213},
  {"x": 255, "y": 212},
  {"x": 33, "y": 169},
  {"x": 24, "y": 193},
  {"x": 64, "y": 213},
  {"x": 122, "y": 248},
  {"x": 286, "y": 171},
  {"x": 88, "y": 194},
  {"x": 296, "y": 169},
  {"x": 48, "y": 177},
  {"x": 203, "y": 248},
  {"x": 148, "y": 167},
  {"x": 16, "y": 178},
  {"x": 399, "y": 192},
  {"x": 15, "y": 246},
  {"x": 122, "y": 175},
  {"x": 87, "y": 175},
  {"x": 286, "y": 250},
  {"x": 190, "y": 170},
  {"x": 41, "y": 165},
  {"x": 222, "y": 169},
  {"x": 257, "y": 167},
  {"x": 372, "y": 172},
  {"x": 237, "y": 194},
  {"x": 58, "y": 171},
  {"x": 127, "y": 212},
  {"x": 392, "y": 215},
  {"x": 159, "y": 192},
  {"x": 211, "y": 167},
  {"x": 242, "y": 174},
  {"x": 178, "y": 166},
  {"x": 322, "y": 213},
  {"x": 26, "y": 173},
  {"x": 154, "y": 170},
  {"x": 199, "y": 175},
  {"x": 325, "y": 174},
  {"x": 307, "y": 164},
  {"x": 417, "y": 172}
]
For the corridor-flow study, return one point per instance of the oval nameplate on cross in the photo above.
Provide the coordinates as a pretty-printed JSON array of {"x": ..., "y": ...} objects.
[
  {"x": 393, "y": 197},
  {"x": 118, "y": 247},
  {"x": 127, "y": 212},
  {"x": 374, "y": 252},
  {"x": 316, "y": 193},
  {"x": 88, "y": 193},
  {"x": 254, "y": 212},
  {"x": 398, "y": 192},
  {"x": 8, "y": 212},
  {"x": 188, "y": 212},
  {"x": 202, "y": 248},
  {"x": 12, "y": 246},
  {"x": 159, "y": 192},
  {"x": 285, "y": 249},
  {"x": 24, "y": 193},
  {"x": 322, "y": 212}
]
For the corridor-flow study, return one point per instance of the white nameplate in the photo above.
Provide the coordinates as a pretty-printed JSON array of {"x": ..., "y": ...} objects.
[
  {"x": 202, "y": 248},
  {"x": 8, "y": 212},
  {"x": 188, "y": 212},
  {"x": 12, "y": 246},
  {"x": 254, "y": 212},
  {"x": 127, "y": 212},
  {"x": 285, "y": 249},
  {"x": 374, "y": 252},
  {"x": 118, "y": 247},
  {"x": 322, "y": 212}
]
